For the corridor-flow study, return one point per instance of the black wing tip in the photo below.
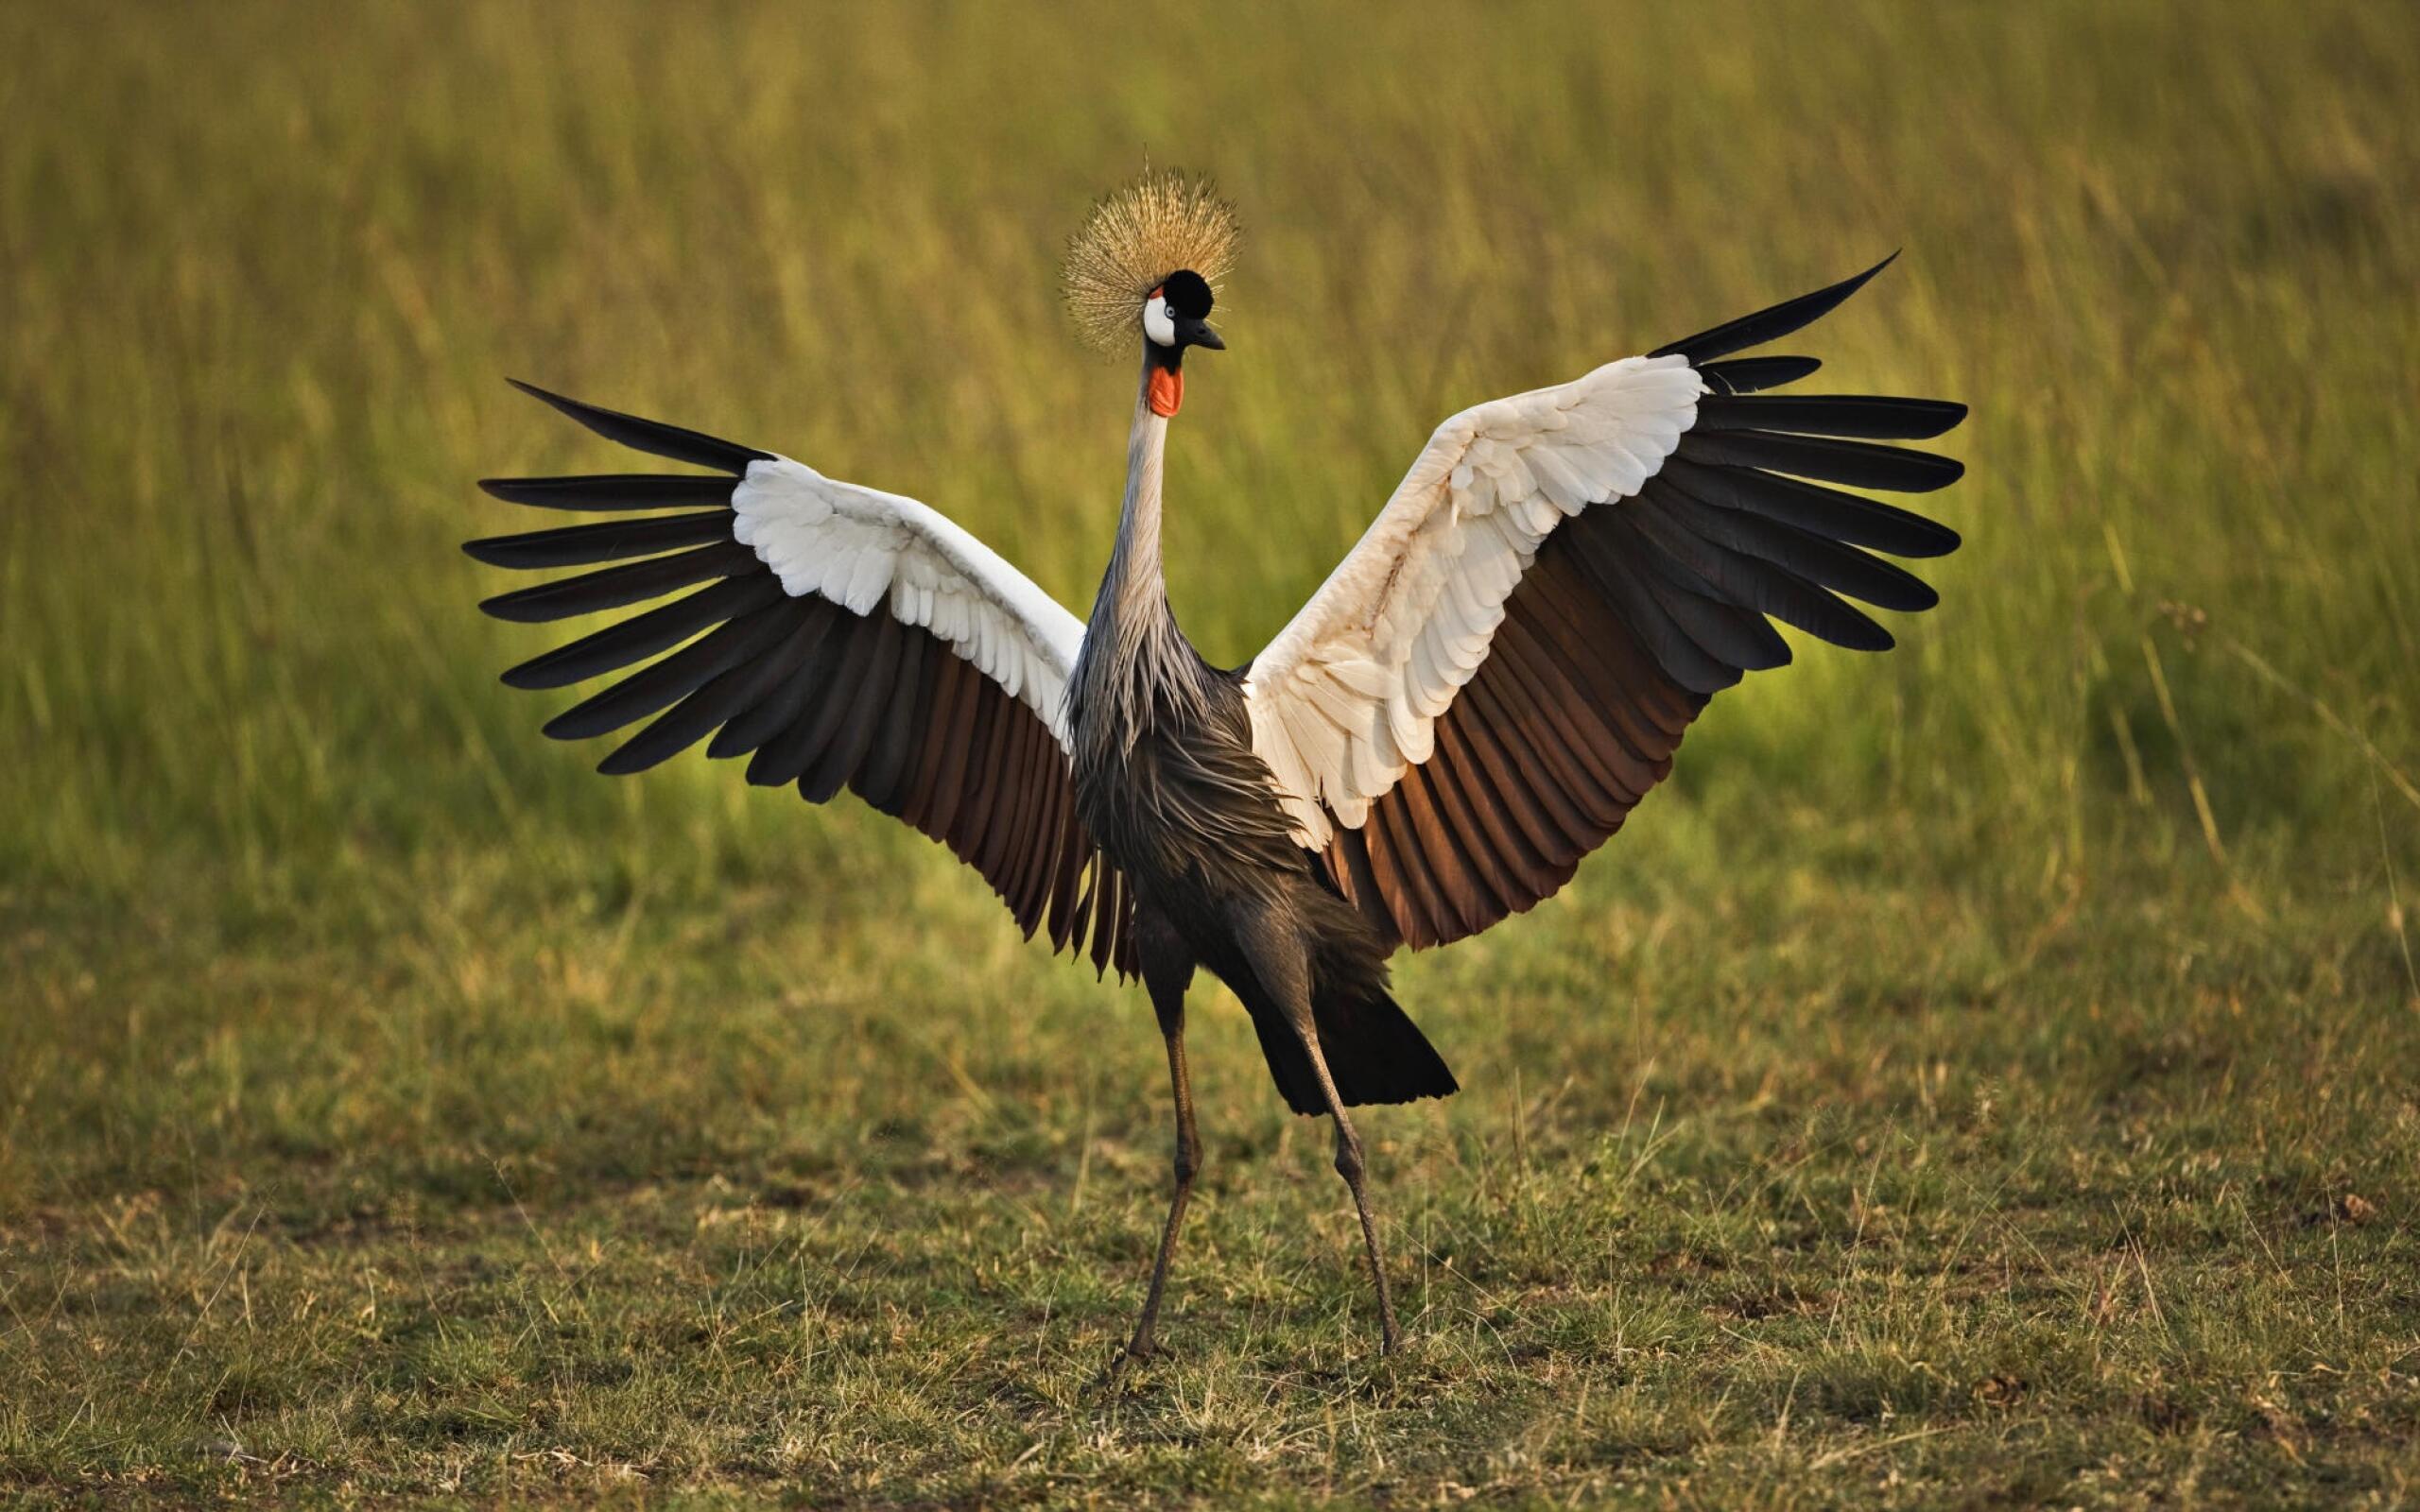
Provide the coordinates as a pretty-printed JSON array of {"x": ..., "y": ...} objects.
[
  {"x": 579, "y": 722},
  {"x": 1942, "y": 473},
  {"x": 1851, "y": 285},
  {"x": 562, "y": 402},
  {"x": 511, "y": 609},
  {"x": 546, "y": 396},
  {"x": 1771, "y": 323},
  {"x": 578, "y": 409},
  {"x": 536, "y": 675},
  {"x": 1841, "y": 291},
  {"x": 1836, "y": 295},
  {"x": 1940, "y": 417},
  {"x": 622, "y": 761},
  {"x": 523, "y": 490},
  {"x": 651, "y": 436}
]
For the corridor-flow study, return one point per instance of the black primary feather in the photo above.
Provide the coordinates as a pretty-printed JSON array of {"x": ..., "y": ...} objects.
[
  {"x": 1767, "y": 324},
  {"x": 1858, "y": 464},
  {"x": 1746, "y": 376},
  {"x": 581, "y": 545},
  {"x": 643, "y": 635},
  {"x": 651, "y": 436},
  {"x": 1810, "y": 506},
  {"x": 1818, "y": 558},
  {"x": 1870, "y": 417},
  {"x": 615, "y": 587},
  {"x": 662, "y": 683},
  {"x": 614, "y": 490},
  {"x": 1768, "y": 587}
]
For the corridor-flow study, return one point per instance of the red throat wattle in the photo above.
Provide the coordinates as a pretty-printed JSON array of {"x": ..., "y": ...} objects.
[{"x": 1167, "y": 391}]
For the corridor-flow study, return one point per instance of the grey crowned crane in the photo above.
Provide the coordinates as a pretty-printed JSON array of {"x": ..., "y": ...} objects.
[{"x": 1474, "y": 700}]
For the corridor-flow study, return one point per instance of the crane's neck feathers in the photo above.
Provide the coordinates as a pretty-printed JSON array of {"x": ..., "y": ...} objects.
[
  {"x": 1135, "y": 659},
  {"x": 1134, "y": 570}
]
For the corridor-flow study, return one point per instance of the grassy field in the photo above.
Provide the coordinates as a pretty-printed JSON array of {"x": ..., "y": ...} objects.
[{"x": 1983, "y": 1075}]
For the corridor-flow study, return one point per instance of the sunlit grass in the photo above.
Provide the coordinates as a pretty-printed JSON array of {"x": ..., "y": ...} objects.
[{"x": 1957, "y": 1083}]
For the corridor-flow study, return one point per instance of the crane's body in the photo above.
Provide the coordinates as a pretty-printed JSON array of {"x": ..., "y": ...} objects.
[
  {"x": 1170, "y": 787},
  {"x": 1474, "y": 700}
]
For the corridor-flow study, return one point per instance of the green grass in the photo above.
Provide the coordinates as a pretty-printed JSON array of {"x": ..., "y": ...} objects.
[{"x": 1983, "y": 1075}]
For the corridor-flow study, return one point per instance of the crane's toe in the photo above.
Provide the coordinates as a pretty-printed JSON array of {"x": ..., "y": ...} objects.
[{"x": 1136, "y": 1351}]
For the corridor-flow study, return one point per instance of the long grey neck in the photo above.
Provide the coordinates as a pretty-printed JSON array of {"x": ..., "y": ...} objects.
[
  {"x": 1134, "y": 593},
  {"x": 1135, "y": 664}
]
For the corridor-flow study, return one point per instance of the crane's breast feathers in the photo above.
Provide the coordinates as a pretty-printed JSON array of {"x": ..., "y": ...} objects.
[
  {"x": 862, "y": 548},
  {"x": 1348, "y": 694}
]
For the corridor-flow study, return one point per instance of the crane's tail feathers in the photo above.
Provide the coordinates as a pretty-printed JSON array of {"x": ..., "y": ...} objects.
[{"x": 1375, "y": 1053}]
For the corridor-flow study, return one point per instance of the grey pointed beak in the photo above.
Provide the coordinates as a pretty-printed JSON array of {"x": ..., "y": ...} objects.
[{"x": 1192, "y": 333}]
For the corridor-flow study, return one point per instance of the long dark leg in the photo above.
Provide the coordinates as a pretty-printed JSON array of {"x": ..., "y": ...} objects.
[
  {"x": 1167, "y": 970},
  {"x": 1285, "y": 970},
  {"x": 1348, "y": 1165}
]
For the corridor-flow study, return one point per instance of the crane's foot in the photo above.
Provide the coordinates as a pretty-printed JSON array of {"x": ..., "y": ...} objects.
[
  {"x": 1137, "y": 1350},
  {"x": 1389, "y": 1337}
]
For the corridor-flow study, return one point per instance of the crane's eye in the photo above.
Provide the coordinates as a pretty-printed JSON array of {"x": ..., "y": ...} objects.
[{"x": 1159, "y": 321}]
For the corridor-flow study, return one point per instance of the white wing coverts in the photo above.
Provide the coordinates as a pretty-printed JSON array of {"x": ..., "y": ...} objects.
[{"x": 860, "y": 548}]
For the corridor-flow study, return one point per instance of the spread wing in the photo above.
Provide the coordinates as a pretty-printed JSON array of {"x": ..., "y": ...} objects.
[
  {"x": 834, "y": 635},
  {"x": 1502, "y": 667}
]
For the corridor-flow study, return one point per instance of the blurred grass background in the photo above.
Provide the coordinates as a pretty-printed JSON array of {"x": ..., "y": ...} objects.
[{"x": 1983, "y": 1071}]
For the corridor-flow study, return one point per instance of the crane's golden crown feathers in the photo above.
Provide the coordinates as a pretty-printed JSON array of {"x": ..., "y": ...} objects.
[{"x": 1134, "y": 238}]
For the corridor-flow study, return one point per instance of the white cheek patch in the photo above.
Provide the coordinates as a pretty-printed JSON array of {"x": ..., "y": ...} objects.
[{"x": 1157, "y": 323}]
